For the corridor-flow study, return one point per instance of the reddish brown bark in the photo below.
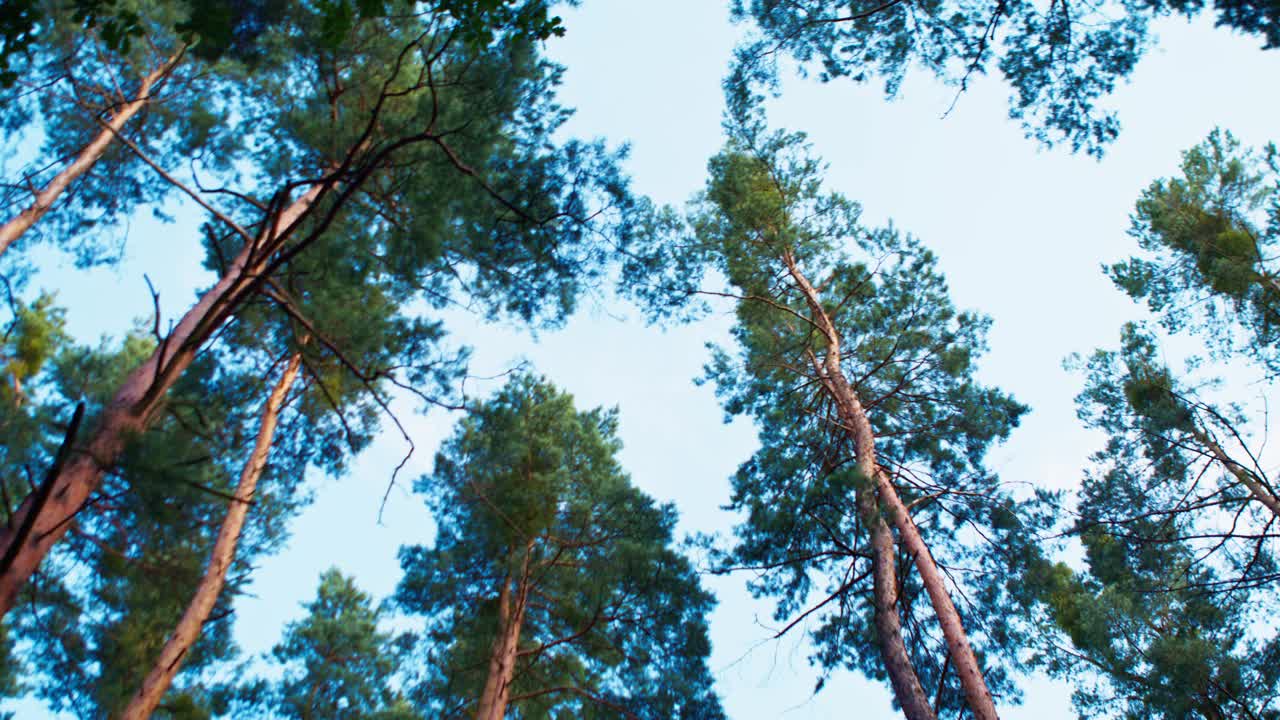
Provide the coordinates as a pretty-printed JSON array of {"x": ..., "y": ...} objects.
[
  {"x": 907, "y": 689},
  {"x": 502, "y": 658},
  {"x": 185, "y": 633},
  {"x": 131, "y": 409},
  {"x": 858, "y": 426},
  {"x": 46, "y": 196},
  {"x": 968, "y": 671},
  {"x": 893, "y": 651}
]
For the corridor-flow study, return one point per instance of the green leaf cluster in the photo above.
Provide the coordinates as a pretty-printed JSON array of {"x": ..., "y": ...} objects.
[{"x": 1208, "y": 238}]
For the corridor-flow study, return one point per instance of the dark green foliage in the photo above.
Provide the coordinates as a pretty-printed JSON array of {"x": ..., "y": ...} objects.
[
  {"x": 910, "y": 356},
  {"x": 1209, "y": 238},
  {"x": 457, "y": 195},
  {"x": 187, "y": 118},
  {"x": 336, "y": 662},
  {"x": 111, "y": 595},
  {"x": 477, "y": 20},
  {"x": 1061, "y": 59},
  {"x": 1171, "y": 617},
  {"x": 1160, "y": 460},
  {"x": 21, "y": 27},
  {"x": 528, "y": 487},
  {"x": 17, "y": 32}
]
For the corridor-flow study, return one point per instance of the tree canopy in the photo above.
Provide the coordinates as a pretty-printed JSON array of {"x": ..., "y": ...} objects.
[
  {"x": 541, "y": 537},
  {"x": 365, "y": 185}
]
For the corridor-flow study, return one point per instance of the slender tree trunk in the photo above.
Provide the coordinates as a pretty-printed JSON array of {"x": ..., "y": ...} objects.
[
  {"x": 893, "y": 651},
  {"x": 856, "y": 423},
  {"x": 907, "y": 689},
  {"x": 130, "y": 411},
  {"x": 502, "y": 657},
  {"x": 1246, "y": 477},
  {"x": 175, "y": 649},
  {"x": 968, "y": 670},
  {"x": 46, "y": 196}
]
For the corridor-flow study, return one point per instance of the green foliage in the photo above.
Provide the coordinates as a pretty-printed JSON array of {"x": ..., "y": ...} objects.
[
  {"x": 113, "y": 593},
  {"x": 1209, "y": 237},
  {"x": 99, "y": 51},
  {"x": 477, "y": 20},
  {"x": 336, "y": 662},
  {"x": 1166, "y": 619},
  {"x": 910, "y": 356},
  {"x": 1061, "y": 60},
  {"x": 528, "y": 490},
  {"x": 34, "y": 336},
  {"x": 489, "y": 211}
]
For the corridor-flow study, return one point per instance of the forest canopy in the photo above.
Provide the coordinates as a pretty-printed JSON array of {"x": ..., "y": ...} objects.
[{"x": 325, "y": 322}]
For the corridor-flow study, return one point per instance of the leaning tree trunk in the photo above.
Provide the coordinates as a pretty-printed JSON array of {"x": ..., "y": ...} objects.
[
  {"x": 130, "y": 411},
  {"x": 502, "y": 656},
  {"x": 175, "y": 649},
  {"x": 966, "y": 663},
  {"x": 907, "y": 689},
  {"x": 1252, "y": 483},
  {"x": 46, "y": 196},
  {"x": 854, "y": 418},
  {"x": 893, "y": 651}
]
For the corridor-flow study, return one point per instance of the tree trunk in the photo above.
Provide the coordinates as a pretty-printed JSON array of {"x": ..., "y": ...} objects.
[
  {"x": 907, "y": 689},
  {"x": 1246, "y": 477},
  {"x": 130, "y": 410},
  {"x": 46, "y": 196},
  {"x": 969, "y": 672},
  {"x": 502, "y": 657},
  {"x": 858, "y": 426},
  {"x": 893, "y": 651},
  {"x": 188, "y": 629}
]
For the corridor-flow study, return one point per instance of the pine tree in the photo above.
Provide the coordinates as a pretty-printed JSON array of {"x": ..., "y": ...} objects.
[
  {"x": 551, "y": 589},
  {"x": 430, "y": 169},
  {"x": 336, "y": 662},
  {"x": 1209, "y": 239},
  {"x": 1170, "y": 617},
  {"x": 859, "y": 374},
  {"x": 106, "y": 83}
]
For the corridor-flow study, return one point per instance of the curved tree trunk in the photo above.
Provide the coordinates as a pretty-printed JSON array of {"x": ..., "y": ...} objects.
[
  {"x": 175, "y": 649},
  {"x": 130, "y": 412},
  {"x": 856, "y": 423},
  {"x": 46, "y": 196},
  {"x": 907, "y": 689}
]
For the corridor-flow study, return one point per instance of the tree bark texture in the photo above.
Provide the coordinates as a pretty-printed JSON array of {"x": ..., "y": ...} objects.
[
  {"x": 187, "y": 631},
  {"x": 968, "y": 670},
  {"x": 502, "y": 656},
  {"x": 858, "y": 426},
  {"x": 46, "y": 196},
  {"x": 130, "y": 411},
  {"x": 907, "y": 689}
]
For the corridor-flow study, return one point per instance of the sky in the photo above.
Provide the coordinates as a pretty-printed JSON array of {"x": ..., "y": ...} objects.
[{"x": 1021, "y": 233}]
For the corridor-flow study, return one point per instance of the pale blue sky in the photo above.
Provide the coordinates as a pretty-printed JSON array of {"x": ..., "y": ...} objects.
[{"x": 1021, "y": 233}]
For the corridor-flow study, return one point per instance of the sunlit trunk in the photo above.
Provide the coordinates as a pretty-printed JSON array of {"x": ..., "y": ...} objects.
[
  {"x": 858, "y": 426},
  {"x": 502, "y": 656},
  {"x": 46, "y": 196},
  {"x": 129, "y": 413},
  {"x": 188, "y": 629}
]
